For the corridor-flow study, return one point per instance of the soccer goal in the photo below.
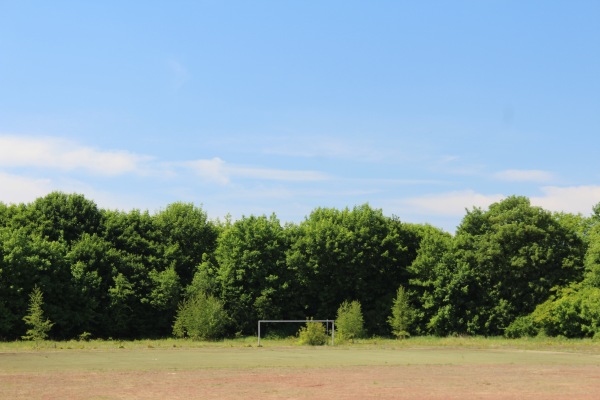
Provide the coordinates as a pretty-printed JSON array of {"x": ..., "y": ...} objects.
[{"x": 329, "y": 323}]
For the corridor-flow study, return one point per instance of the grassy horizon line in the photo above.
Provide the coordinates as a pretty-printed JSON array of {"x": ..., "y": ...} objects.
[{"x": 473, "y": 342}]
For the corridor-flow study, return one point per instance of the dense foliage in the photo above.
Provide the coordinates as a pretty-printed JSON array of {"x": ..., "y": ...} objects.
[
  {"x": 38, "y": 326},
  {"x": 349, "y": 321},
  {"x": 402, "y": 314},
  {"x": 513, "y": 269},
  {"x": 313, "y": 334},
  {"x": 200, "y": 317}
]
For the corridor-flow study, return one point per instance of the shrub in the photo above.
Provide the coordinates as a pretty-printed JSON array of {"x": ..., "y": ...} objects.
[
  {"x": 522, "y": 327},
  {"x": 574, "y": 312},
  {"x": 349, "y": 322},
  {"x": 313, "y": 333},
  {"x": 200, "y": 317}
]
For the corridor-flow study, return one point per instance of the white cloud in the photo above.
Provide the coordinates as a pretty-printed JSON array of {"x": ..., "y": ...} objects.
[
  {"x": 454, "y": 165},
  {"x": 65, "y": 155},
  {"x": 525, "y": 175},
  {"x": 211, "y": 170},
  {"x": 574, "y": 199},
  {"x": 19, "y": 189},
  {"x": 450, "y": 203},
  {"x": 217, "y": 170},
  {"x": 277, "y": 174}
]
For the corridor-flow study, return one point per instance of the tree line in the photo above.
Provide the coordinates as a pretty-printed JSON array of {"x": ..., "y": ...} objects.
[{"x": 512, "y": 270}]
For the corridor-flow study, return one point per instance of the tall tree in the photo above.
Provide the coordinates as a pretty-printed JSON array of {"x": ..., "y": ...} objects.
[
  {"x": 252, "y": 272},
  {"x": 186, "y": 234},
  {"x": 350, "y": 254},
  {"x": 511, "y": 257},
  {"x": 60, "y": 216},
  {"x": 93, "y": 262},
  {"x": 145, "y": 285},
  {"x": 432, "y": 274},
  {"x": 29, "y": 260},
  {"x": 592, "y": 255}
]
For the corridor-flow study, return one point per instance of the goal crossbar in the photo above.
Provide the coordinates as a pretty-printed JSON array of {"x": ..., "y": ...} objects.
[{"x": 326, "y": 321}]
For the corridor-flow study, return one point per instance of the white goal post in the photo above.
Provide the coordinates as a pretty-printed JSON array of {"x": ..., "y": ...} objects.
[{"x": 326, "y": 321}]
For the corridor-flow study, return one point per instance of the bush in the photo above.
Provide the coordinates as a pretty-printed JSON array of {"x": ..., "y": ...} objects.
[
  {"x": 522, "y": 327},
  {"x": 200, "y": 317},
  {"x": 349, "y": 322},
  {"x": 574, "y": 312},
  {"x": 312, "y": 334}
]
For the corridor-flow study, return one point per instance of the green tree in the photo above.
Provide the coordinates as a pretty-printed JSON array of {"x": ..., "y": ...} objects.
[
  {"x": 38, "y": 325},
  {"x": 349, "y": 323},
  {"x": 138, "y": 287},
  {"x": 163, "y": 299},
  {"x": 205, "y": 279},
  {"x": 507, "y": 260},
  {"x": 36, "y": 242},
  {"x": 431, "y": 272},
  {"x": 200, "y": 317},
  {"x": 93, "y": 261},
  {"x": 358, "y": 253},
  {"x": 64, "y": 217},
  {"x": 29, "y": 260},
  {"x": 252, "y": 275},
  {"x": 135, "y": 234},
  {"x": 185, "y": 234},
  {"x": 402, "y": 314},
  {"x": 592, "y": 257},
  {"x": 123, "y": 303},
  {"x": 573, "y": 311}
]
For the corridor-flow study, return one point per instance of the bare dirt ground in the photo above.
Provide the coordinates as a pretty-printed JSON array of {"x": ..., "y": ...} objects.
[
  {"x": 300, "y": 373},
  {"x": 357, "y": 382}
]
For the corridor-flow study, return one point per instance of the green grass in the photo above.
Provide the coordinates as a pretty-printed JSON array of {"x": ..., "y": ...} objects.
[
  {"x": 240, "y": 354},
  {"x": 91, "y": 367},
  {"x": 475, "y": 342},
  {"x": 478, "y": 342}
]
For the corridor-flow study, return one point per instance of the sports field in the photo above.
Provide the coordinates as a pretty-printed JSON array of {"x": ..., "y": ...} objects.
[{"x": 413, "y": 370}]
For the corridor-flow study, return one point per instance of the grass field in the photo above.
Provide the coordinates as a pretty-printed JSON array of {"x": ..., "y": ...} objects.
[{"x": 429, "y": 368}]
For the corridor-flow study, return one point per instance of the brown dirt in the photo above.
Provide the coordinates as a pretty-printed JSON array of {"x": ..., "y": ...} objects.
[{"x": 358, "y": 382}]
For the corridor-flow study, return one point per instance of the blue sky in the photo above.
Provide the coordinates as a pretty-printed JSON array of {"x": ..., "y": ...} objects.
[{"x": 420, "y": 108}]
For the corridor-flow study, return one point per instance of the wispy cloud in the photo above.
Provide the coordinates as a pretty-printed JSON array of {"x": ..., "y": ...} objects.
[
  {"x": 450, "y": 203},
  {"x": 396, "y": 182},
  {"x": 574, "y": 199},
  {"x": 20, "y": 189},
  {"x": 219, "y": 171},
  {"x": 213, "y": 170},
  {"x": 455, "y": 165},
  {"x": 525, "y": 175},
  {"x": 65, "y": 155}
]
